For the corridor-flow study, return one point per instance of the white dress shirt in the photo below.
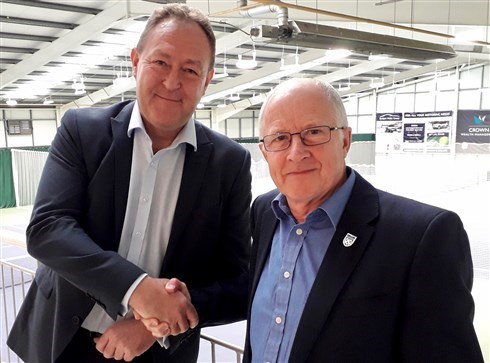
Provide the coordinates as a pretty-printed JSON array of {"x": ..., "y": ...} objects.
[{"x": 153, "y": 191}]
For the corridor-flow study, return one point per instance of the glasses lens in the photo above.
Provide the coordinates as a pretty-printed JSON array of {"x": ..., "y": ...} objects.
[
  {"x": 316, "y": 136},
  {"x": 277, "y": 142}
]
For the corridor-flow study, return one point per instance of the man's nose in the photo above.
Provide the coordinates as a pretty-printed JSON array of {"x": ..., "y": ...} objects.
[
  {"x": 172, "y": 81},
  {"x": 297, "y": 150}
]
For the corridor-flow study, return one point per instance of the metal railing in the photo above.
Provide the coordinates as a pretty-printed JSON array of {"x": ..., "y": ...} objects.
[
  {"x": 15, "y": 281},
  {"x": 220, "y": 343}
]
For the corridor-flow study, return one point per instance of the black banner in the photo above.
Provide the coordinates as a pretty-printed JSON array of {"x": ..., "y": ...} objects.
[
  {"x": 473, "y": 126},
  {"x": 414, "y": 132}
]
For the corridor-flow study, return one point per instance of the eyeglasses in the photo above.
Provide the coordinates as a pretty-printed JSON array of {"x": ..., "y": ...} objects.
[{"x": 310, "y": 137}]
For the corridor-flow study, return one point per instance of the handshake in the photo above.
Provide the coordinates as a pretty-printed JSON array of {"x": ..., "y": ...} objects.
[{"x": 163, "y": 306}]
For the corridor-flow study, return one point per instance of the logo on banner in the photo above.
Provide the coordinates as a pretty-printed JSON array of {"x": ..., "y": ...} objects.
[{"x": 479, "y": 119}]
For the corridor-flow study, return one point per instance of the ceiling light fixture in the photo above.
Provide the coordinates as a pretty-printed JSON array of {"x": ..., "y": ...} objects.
[
  {"x": 78, "y": 84},
  {"x": 234, "y": 97},
  {"x": 222, "y": 75},
  {"x": 11, "y": 102},
  {"x": 247, "y": 63},
  {"x": 377, "y": 83},
  {"x": 225, "y": 73},
  {"x": 285, "y": 66},
  {"x": 48, "y": 101},
  {"x": 373, "y": 57},
  {"x": 328, "y": 57}
]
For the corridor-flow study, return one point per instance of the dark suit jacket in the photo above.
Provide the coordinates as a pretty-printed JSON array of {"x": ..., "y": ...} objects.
[
  {"x": 77, "y": 221},
  {"x": 400, "y": 293}
]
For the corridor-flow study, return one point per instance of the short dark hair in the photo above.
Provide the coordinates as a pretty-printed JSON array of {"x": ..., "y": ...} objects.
[{"x": 184, "y": 13}]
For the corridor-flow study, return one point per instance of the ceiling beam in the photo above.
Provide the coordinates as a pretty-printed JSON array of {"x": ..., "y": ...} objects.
[
  {"x": 66, "y": 43},
  {"x": 53, "y": 6},
  {"x": 421, "y": 71}
]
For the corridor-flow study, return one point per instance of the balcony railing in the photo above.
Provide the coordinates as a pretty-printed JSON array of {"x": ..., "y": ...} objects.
[{"x": 14, "y": 283}]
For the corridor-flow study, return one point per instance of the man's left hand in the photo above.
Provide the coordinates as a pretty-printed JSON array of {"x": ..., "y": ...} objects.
[{"x": 124, "y": 340}]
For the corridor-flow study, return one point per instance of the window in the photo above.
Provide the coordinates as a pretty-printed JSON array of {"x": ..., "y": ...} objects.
[{"x": 19, "y": 127}]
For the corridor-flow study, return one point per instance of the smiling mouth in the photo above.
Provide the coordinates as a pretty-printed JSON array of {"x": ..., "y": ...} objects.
[
  {"x": 169, "y": 99},
  {"x": 299, "y": 172}
]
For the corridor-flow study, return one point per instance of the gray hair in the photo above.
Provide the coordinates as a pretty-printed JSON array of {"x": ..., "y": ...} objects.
[
  {"x": 180, "y": 12},
  {"x": 331, "y": 96}
]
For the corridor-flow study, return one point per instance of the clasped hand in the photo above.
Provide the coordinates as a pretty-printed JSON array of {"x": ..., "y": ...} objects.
[{"x": 164, "y": 306}]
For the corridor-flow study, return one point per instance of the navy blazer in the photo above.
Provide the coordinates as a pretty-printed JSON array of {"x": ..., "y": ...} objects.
[
  {"x": 400, "y": 293},
  {"x": 77, "y": 221}
]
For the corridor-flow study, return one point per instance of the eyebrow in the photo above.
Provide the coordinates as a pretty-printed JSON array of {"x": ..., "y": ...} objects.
[
  {"x": 312, "y": 126},
  {"x": 160, "y": 53}
]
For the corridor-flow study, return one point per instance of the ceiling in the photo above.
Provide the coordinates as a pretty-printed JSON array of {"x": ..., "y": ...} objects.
[{"x": 46, "y": 46}]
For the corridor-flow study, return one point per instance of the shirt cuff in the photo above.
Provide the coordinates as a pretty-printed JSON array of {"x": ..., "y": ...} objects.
[
  {"x": 164, "y": 342},
  {"x": 125, "y": 302}
]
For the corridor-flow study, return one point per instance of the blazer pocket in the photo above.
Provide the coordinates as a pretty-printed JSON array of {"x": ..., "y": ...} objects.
[{"x": 44, "y": 280}]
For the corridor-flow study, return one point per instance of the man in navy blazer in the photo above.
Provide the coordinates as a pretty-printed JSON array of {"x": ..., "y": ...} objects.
[
  {"x": 341, "y": 271},
  {"x": 132, "y": 195}
]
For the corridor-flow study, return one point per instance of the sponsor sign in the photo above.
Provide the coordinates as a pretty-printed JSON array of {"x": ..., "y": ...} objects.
[{"x": 473, "y": 126}]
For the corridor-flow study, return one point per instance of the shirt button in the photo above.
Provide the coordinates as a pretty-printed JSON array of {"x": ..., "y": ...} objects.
[
  {"x": 299, "y": 231},
  {"x": 286, "y": 275},
  {"x": 278, "y": 320},
  {"x": 138, "y": 234},
  {"x": 152, "y": 164},
  {"x": 145, "y": 199}
]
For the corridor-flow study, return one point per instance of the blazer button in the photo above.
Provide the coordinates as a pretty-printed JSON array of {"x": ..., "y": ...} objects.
[{"x": 75, "y": 320}]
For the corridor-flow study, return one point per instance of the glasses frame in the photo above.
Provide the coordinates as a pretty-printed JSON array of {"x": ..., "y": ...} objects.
[{"x": 301, "y": 133}]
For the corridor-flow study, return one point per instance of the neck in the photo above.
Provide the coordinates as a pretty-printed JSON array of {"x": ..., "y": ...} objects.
[
  {"x": 161, "y": 139},
  {"x": 300, "y": 210}
]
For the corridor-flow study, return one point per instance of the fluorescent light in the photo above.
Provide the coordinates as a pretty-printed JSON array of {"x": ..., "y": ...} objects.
[
  {"x": 246, "y": 63},
  {"x": 373, "y": 57},
  {"x": 48, "y": 101},
  {"x": 200, "y": 105},
  {"x": 377, "y": 82},
  {"x": 11, "y": 102},
  {"x": 234, "y": 97},
  {"x": 293, "y": 66},
  {"x": 329, "y": 56},
  {"x": 221, "y": 75}
]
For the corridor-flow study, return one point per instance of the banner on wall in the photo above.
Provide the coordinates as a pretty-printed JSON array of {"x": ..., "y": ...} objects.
[
  {"x": 388, "y": 131},
  {"x": 414, "y": 131},
  {"x": 434, "y": 137},
  {"x": 473, "y": 126}
]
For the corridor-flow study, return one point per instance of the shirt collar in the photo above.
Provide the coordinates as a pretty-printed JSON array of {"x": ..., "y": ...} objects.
[
  {"x": 186, "y": 135},
  {"x": 333, "y": 206}
]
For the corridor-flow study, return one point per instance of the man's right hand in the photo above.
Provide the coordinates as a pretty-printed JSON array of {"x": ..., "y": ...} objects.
[
  {"x": 170, "y": 307},
  {"x": 158, "y": 328}
]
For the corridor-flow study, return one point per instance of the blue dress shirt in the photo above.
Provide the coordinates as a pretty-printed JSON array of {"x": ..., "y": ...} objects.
[{"x": 296, "y": 254}]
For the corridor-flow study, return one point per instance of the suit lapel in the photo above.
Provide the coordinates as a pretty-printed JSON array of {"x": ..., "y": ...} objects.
[
  {"x": 123, "y": 155},
  {"x": 337, "y": 266},
  {"x": 192, "y": 177}
]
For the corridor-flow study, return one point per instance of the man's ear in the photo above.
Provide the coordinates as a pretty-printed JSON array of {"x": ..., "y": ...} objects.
[
  {"x": 135, "y": 58},
  {"x": 347, "y": 140},
  {"x": 209, "y": 77},
  {"x": 264, "y": 152}
]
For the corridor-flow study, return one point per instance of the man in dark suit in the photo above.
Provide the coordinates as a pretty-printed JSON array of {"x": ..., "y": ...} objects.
[
  {"x": 131, "y": 195},
  {"x": 340, "y": 271}
]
